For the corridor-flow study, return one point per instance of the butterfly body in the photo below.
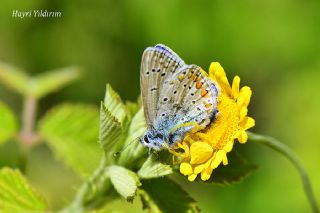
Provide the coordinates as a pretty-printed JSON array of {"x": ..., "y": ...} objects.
[{"x": 177, "y": 98}]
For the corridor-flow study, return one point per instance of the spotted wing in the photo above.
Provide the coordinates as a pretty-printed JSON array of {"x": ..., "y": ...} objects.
[
  {"x": 189, "y": 96},
  {"x": 158, "y": 65}
]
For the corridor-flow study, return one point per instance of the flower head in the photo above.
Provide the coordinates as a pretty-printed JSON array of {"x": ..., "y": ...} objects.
[{"x": 207, "y": 149}]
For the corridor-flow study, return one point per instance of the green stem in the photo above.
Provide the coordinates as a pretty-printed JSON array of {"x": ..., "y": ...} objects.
[
  {"x": 289, "y": 154},
  {"x": 93, "y": 193}
]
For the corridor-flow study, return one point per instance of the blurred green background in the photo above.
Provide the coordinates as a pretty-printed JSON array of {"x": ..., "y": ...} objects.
[{"x": 272, "y": 45}]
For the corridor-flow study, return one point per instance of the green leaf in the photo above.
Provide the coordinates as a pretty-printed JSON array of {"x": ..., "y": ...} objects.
[
  {"x": 94, "y": 192},
  {"x": 14, "y": 78},
  {"x": 177, "y": 200},
  {"x": 114, "y": 104},
  {"x": 51, "y": 81},
  {"x": 16, "y": 195},
  {"x": 236, "y": 170},
  {"x": 8, "y": 123},
  {"x": 37, "y": 86},
  {"x": 134, "y": 151},
  {"x": 110, "y": 133},
  {"x": 147, "y": 202},
  {"x": 137, "y": 127},
  {"x": 153, "y": 169},
  {"x": 124, "y": 181},
  {"x": 71, "y": 131},
  {"x": 131, "y": 108}
]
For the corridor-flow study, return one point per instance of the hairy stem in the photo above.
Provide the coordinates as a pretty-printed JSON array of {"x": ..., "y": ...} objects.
[
  {"x": 293, "y": 158},
  {"x": 27, "y": 134}
]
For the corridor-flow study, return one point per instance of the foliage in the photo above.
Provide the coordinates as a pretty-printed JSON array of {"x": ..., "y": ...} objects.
[
  {"x": 124, "y": 181},
  {"x": 71, "y": 131},
  {"x": 8, "y": 123},
  {"x": 177, "y": 200},
  {"x": 38, "y": 86},
  {"x": 16, "y": 195},
  {"x": 153, "y": 169},
  {"x": 110, "y": 131},
  {"x": 237, "y": 169}
]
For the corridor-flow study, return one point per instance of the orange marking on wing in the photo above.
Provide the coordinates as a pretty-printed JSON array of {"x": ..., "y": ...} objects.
[
  {"x": 196, "y": 79},
  {"x": 198, "y": 85},
  {"x": 204, "y": 92}
]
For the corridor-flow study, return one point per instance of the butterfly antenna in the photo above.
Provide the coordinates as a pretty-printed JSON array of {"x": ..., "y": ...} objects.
[{"x": 125, "y": 147}]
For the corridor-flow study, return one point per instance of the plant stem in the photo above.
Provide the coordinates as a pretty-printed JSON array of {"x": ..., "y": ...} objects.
[
  {"x": 93, "y": 193},
  {"x": 27, "y": 135},
  {"x": 293, "y": 158}
]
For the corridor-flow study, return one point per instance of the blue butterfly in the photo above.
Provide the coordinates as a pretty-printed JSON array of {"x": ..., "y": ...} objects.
[{"x": 177, "y": 98}]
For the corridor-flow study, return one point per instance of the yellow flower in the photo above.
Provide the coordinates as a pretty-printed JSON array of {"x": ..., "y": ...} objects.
[{"x": 207, "y": 149}]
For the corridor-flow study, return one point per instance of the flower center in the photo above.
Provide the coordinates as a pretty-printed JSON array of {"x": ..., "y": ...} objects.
[{"x": 224, "y": 127}]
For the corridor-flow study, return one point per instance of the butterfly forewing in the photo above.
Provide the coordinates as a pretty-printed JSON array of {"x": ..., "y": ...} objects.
[{"x": 158, "y": 65}]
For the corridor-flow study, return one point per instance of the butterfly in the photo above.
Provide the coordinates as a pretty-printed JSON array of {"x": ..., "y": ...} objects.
[{"x": 177, "y": 98}]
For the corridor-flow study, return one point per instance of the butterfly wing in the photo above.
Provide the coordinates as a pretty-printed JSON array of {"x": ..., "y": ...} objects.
[
  {"x": 189, "y": 97},
  {"x": 176, "y": 97},
  {"x": 158, "y": 65}
]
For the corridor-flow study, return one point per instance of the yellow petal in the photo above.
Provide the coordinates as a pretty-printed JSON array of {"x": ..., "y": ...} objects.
[
  {"x": 192, "y": 177},
  {"x": 228, "y": 146},
  {"x": 185, "y": 168},
  {"x": 205, "y": 175},
  {"x": 247, "y": 123},
  {"x": 235, "y": 87},
  {"x": 250, "y": 123},
  {"x": 243, "y": 113},
  {"x": 199, "y": 168},
  {"x": 243, "y": 137},
  {"x": 244, "y": 96},
  {"x": 200, "y": 152},
  {"x": 218, "y": 158},
  {"x": 217, "y": 73},
  {"x": 225, "y": 160}
]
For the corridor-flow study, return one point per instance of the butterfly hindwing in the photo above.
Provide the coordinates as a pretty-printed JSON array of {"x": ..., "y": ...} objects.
[{"x": 189, "y": 97}]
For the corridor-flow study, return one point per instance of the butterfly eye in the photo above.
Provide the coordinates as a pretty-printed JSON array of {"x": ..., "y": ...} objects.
[{"x": 146, "y": 139}]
